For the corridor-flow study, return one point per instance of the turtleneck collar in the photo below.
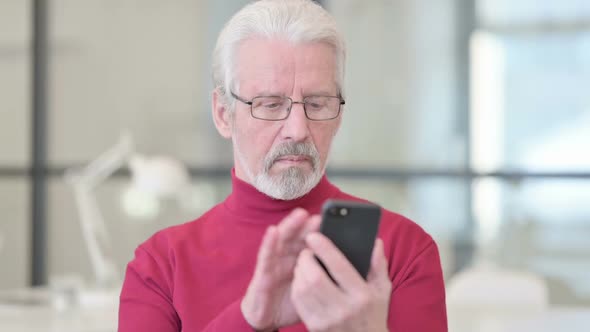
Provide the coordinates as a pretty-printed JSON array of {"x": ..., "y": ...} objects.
[{"x": 245, "y": 201}]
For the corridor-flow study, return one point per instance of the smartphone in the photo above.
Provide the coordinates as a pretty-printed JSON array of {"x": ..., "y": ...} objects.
[{"x": 352, "y": 227}]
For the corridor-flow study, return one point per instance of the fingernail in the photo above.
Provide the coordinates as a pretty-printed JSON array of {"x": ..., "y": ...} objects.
[
  {"x": 314, "y": 219},
  {"x": 299, "y": 210}
]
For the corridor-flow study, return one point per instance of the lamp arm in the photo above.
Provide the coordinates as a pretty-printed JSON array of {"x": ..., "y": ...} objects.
[
  {"x": 107, "y": 163},
  {"x": 93, "y": 231},
  {"x": 83, "y": 181}
]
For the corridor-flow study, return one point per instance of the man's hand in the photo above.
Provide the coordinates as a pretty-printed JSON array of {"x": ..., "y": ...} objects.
[
  {"x": 353, "y": 304},
  {"x": 267, "y": 304}
]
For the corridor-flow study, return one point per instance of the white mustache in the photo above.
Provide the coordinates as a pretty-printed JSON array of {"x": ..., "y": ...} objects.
[{"x": 292, "y": 149}]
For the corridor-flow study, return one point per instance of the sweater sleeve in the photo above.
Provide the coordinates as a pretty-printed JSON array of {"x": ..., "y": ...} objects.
[
  {"x": 418, "y": 301},
  {"x": 146, "y": 296},
  {"x": 146, "y": 302}
]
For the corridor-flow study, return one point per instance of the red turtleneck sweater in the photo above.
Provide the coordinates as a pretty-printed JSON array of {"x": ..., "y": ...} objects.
[{"x": 192, "y": 277}]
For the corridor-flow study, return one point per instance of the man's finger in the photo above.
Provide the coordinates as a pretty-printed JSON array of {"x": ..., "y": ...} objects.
[
  {"x": 311, "y": 225},
  {"x": 379, "y": 272},
  {"x": 292, "y": 224},
  {"x": 312, "y": 285},
  {"x": 267, "y": 250}
]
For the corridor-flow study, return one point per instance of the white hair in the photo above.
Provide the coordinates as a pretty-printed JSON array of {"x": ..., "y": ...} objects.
[{"x": 297, "y": 21}]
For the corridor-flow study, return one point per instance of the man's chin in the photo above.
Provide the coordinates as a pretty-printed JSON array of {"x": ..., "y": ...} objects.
[{"x": 287, "y": 182}]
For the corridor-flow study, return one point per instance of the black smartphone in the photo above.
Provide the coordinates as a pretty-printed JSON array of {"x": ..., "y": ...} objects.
[{"x": 352, "y": 227}]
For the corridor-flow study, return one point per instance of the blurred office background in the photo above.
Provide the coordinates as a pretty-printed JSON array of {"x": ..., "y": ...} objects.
[{"x": 472, "y": 117}]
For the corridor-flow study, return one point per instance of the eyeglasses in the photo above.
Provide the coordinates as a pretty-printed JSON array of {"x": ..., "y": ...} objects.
[{"x": 276, "y": 108}]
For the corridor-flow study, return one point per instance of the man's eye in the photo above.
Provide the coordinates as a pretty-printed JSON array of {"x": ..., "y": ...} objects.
[
  {"x": 271, "y": 106},
  {"x": 315, "y": 106}
]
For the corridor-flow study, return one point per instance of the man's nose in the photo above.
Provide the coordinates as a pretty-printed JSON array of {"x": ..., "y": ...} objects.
[{"x": 296, "y": 126}]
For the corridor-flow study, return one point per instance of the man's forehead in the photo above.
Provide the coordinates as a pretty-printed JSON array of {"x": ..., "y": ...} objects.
[{"x": 269, "y": 67}]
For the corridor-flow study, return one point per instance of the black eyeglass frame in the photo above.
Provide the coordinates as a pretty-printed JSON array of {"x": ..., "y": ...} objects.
[{"x": 251, "y": 102}]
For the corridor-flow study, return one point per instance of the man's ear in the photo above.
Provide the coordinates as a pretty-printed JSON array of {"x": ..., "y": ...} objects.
[{"x": 221, "y": 115}]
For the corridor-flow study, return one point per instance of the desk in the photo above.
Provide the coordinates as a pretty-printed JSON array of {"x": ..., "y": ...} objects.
[
  {"x": 48, "y": 320},
  {"x": 38, "y": 311},
  {"x": 567, "y": 319}
]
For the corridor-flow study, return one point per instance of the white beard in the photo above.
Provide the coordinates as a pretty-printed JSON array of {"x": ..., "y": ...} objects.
[{"x": 291, "y": 183}]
